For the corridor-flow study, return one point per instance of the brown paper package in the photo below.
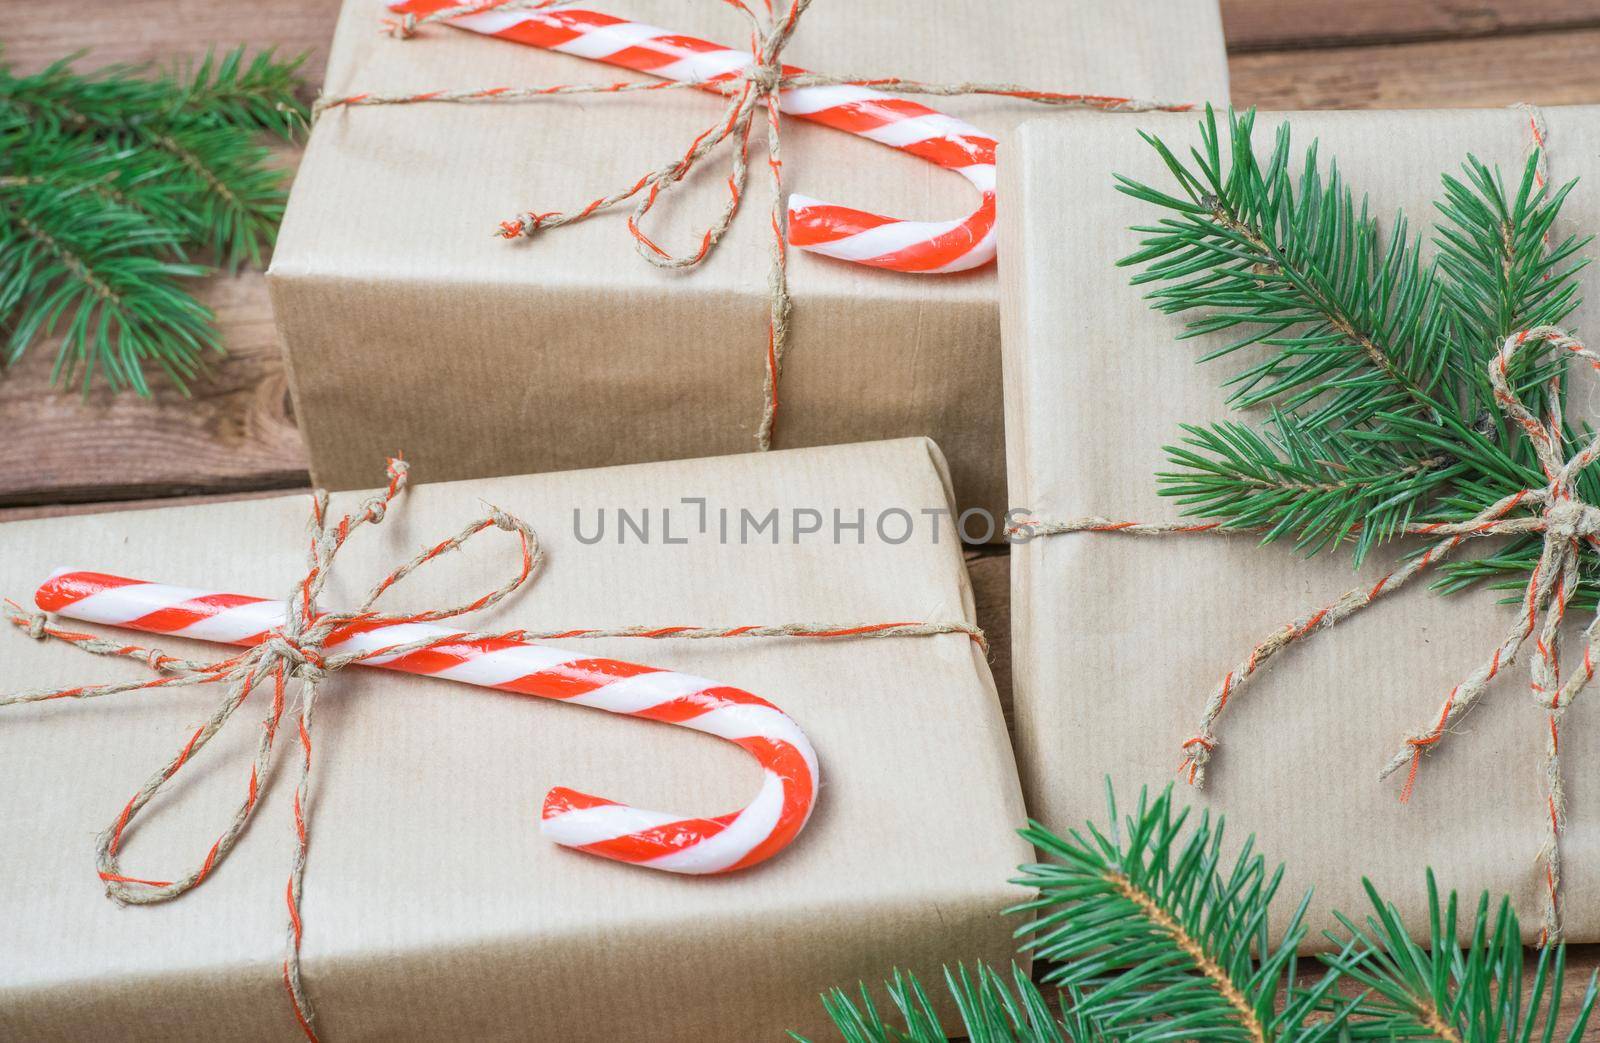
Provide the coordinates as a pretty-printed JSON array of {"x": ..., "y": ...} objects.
[
  {"x": 408, "y": 325},
  {"x": 1119, "y": 640},
  {"x": 433, "y": 908}
]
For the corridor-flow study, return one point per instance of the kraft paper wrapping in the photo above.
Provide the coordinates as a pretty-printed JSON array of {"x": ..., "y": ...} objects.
[
  {"x": 1118, "y": 640},
  {"x": 409, "y": 325},
  {"x": 433, "y": 908}
]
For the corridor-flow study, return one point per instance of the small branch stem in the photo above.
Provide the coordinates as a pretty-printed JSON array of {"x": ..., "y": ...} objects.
[
  {"x": 1203, "y": 962},
  {"x": 1331, "y": 311},
  {"x": 190, "y": 160},
  {"x": 1426, "y": 464},
  {"x": 1436, "y": 1024},
  {"x": 70, "y": 260}
]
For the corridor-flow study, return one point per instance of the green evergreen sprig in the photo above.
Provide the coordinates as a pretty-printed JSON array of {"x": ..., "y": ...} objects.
[
  {"x": 114, "y": 187},
  {"x": 1146, "y": 935},
  {"x": 992, "y": 1010},
  {"x": 1460, "y": 988},
  {"x": 1368, "y": 350}
]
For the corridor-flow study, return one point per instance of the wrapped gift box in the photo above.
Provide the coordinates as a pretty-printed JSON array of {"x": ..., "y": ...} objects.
[
  {"x": 408, "y": 324},
  {"x": 1119, "y": 640},
  {"x": 433, "y": 908}
]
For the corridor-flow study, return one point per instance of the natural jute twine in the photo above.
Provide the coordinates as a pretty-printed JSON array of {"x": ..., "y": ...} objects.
[
  {"x": 1565, "y": 522},
  {"x": 747, "y": 91},
  {"x": 296, "y": 653}
]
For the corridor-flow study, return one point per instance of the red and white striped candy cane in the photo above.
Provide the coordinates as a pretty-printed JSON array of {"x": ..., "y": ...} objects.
[
  {"x": 653, "y": 839},
  {"x": 815, "y": 226}
]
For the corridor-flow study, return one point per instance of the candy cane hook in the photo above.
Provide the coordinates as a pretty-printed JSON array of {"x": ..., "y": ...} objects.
[
  {"x": 823, "y": 228},
  {"x": 653, "y": 839}
]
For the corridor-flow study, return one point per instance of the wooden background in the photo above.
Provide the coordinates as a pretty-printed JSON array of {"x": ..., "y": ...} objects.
[
  {"x": 237, "y": 432},
  {"x": 63, "y": 453}
]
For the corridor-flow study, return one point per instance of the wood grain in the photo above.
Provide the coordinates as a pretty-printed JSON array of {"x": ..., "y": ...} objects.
[
  {"x": 1543, "y": 68},
  {"x": 990, "y": 571},
  {"x": 68, "y": 510},
  {"x": 1277, "y": 25},
  {"x": 166, "y": 31},
  {"x": 237, "y": 433},
  {"x": 63, "y": 452},
  {"x": 234, "y": 433}
]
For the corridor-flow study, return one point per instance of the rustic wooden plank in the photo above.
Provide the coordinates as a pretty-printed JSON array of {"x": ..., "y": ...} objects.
[
  {"x": 166, "y": 30},
  {"x": 1543, "y": 68},
  {"x": 235, "y": 432},
  {"x": 67, "y": 510},
  {"x": 143, "y": 30},
  {"x": 1273, "y": 25}
]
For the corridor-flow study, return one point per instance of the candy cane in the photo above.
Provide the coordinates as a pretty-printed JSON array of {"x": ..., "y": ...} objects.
[
  {"x": 654, "y": 839},
  {"x": 815, "y": 226}
]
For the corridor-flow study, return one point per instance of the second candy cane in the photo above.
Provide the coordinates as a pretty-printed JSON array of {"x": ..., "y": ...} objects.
[
  {"x": 654, "y": 839},
  {"x": 815, "y": 226}
]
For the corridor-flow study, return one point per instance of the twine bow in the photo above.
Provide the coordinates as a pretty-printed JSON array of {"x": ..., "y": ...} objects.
[
  {"x": 749, "y": 91},
  {"x": 296, "y": 654},
  {"x": 292, "y": 654},
  {"x": 1564, "y": 521}
]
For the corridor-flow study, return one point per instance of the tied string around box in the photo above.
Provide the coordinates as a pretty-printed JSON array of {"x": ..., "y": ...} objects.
[
  {"x": 296, "y": 644},
  {"x": 752, "y": 81},
  {"x": 1562, "y": 520}
]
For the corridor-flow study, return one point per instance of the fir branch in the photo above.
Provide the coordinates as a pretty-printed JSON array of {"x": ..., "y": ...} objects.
[
  {"x": 1148, "y": 938},
  {"x": 1460, "y": 988},
  {"x": 1161, "y": 941},
  {"x": 1500, "y": 275},
  {"x": 1302, "y": 270},
  {"x": 236, "y": 196},
  {"x": 1372, "y": 357},
  {"x": 991, "y": 1011},
  {"x": 263, "y": 94},
  {"x": 1296, "y": 479},
  {"x": 236, "y": 210},
  {"x": 116, "y": 98},
  {"x": 97, "y": 272},
  {"x": 108, "y": 180},
  {"x": 140, "y": 180}
]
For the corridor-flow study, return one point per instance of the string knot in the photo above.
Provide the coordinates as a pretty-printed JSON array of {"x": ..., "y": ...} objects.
[
  {"x": 1197, "y": 750},
  {"x": 402, "y": 28},
  {"x": 1571, "y": 519},
  {"x": 303, "y": 656},
  {"x": 33, "y": 625},
  {"x": 766, "y": 77}
]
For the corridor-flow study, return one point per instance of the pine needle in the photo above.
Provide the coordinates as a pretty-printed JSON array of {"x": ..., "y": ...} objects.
[
  {"x": 1369, "y": 352},
  {"x": 115, "y": 186},
  {"x": 1145, "y": 933}
]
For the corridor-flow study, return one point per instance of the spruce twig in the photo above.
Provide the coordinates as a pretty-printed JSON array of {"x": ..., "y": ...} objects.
[
  {"x": 1369, "y": 352},
  {"x": 1459, "y": 987},
  {"x": 1164, "y": 940},
  {"x": 109, "y": 182},
  {"x": 104, "y": 275},
  {"x": 1146, "y": 936}
]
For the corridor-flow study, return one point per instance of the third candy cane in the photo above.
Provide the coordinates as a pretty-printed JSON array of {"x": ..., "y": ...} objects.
[{"x": 815, "y": 226}]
